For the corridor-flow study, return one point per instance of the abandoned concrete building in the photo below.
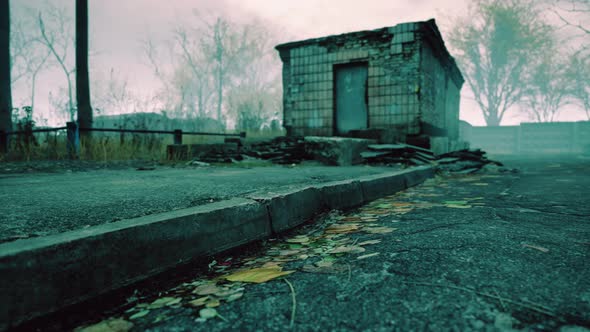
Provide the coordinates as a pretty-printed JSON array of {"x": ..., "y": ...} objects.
[{"x": 395, "y": 84}]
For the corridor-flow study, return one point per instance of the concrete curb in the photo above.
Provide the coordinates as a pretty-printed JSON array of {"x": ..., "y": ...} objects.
[{"x": 43, "y": 275}]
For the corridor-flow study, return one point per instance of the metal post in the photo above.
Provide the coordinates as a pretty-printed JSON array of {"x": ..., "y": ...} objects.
[
  {"x": 3, "y": 142},
  {"x": 177, "y": 137},
  {"x": 72, "y": 144}
]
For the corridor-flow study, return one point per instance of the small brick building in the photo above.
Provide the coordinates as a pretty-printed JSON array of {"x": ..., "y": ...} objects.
[{"x": 395, "y": 84}]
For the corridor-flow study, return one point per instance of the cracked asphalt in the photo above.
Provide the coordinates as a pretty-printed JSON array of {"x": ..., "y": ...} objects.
[
  {"x": 485, "y": 252},
  {"x": 40, "y": 204}
]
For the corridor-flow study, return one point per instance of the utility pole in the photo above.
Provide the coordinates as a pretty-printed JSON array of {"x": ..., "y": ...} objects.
[
  {"x": 82, "y": 81},
  {"x": 5, "y": 88}
]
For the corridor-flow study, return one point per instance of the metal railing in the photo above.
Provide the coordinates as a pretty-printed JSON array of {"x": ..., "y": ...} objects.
[{"x": 72, "y": 133}]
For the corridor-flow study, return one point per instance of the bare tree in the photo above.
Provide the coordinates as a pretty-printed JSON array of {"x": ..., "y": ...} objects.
[
  {"x": 28, "y": 55},
  {"x": 219, "y": 67},
  {"x": 494, "y": 48},
  {"x": 573, "y": 13},
  {"x": 578, "y": 73},
  {"x": 5, "y": 86},
  {"x": 575, "y": 17},
  {"x": 58, "y": 38},
  {"x": 548, "y": 88},
  {"x": 192, "y": 54}
]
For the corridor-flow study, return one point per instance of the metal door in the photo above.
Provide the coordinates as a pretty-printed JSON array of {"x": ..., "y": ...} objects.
[{"x": 351, "y": 97}]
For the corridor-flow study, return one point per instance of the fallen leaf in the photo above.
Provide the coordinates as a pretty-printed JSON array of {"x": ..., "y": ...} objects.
[
  {"x": 213, "y": 303},
  {"x": 379, "y": 230},
  {"x": 452, "y": 206},
  {"x": 208, "y": 313},
  {"x": 342, "y": 229},
  {"x": 258, "y": 275},
  {"x": 298, "y": 239},
  {"x": 536, "y": 247},
  {"x": 368, "y": 255},
  {"x": 207, "y": 289},
  {"x": 324, "y": 263},
  {"x": 164, "y": 301},
  {"x": 369, "y": 219},
  {"x": 369, "y": 242},
  {"x": 234, "y": 297},
  {"x": 140, "y": 314},
  {"x": 347, "y": 249},
  {"x": 109, "y": 325},
  {"x": 403, "y": 210},
  {"x": 199, "y": 302}
]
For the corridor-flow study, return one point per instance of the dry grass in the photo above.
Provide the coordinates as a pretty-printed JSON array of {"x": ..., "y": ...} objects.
[{"x": 111, "y": 146}]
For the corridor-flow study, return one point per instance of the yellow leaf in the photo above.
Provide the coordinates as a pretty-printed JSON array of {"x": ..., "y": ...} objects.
[
  {"x": 379, "y": 230},
  {"x": 347, "y": 249},
  {"x": 342, "y": 229},
  {"x": 258, "y": 275},
  {"x": 164, "y": 301},
  {"x": 298, "y": 239},
  {"x": 109, "y": 325},
  {"x": 369, "y": 242},
  {"x": 199, "y": 302},
  {"x": 213, "y": 304},
  {"x": 207, "y": 289}
]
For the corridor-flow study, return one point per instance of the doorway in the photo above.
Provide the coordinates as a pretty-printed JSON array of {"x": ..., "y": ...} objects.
[{"x": 350, "y": 96}]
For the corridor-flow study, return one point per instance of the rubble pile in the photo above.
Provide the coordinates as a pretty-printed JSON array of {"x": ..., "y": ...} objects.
[
  {"x": 294, "y": 150},
  {"x": 280, "y": 150},
  {"x": 216, "y": 153},
  {"x": 460, "y": 162},
  {"x": 397, "y": 154},
  {"x": 465, "y": 162}
]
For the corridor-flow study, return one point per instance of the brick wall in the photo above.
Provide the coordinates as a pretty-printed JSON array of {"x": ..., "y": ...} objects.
[
  {"x": 393, "y": 61},
  {"x": 440, "y": 94},
  {"x": 401, "y": 93}
]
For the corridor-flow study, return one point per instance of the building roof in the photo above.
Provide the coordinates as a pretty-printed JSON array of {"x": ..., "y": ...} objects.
[{"x": 429, "y": 29}]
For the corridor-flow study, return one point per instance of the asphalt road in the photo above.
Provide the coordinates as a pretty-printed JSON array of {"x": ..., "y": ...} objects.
[
  {"x": 486, "y": 252},
  {"x": 42, "y": 203}
]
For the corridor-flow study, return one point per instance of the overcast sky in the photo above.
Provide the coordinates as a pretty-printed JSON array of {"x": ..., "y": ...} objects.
[{"x": 117, "y": 26}]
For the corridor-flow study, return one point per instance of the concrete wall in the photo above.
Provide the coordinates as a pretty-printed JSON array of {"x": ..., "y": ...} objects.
[
  {"x": 553, "y": 137},
  {"x": 440, "y": 95}
]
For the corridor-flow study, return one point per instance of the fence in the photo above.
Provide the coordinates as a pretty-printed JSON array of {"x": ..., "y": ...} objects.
[
  {"x": 73, "y": 142},
  {"x": 551, "y": 137}
]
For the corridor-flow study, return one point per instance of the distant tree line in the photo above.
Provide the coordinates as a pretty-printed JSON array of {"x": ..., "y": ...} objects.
[{"x": 210, "y": 67}]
